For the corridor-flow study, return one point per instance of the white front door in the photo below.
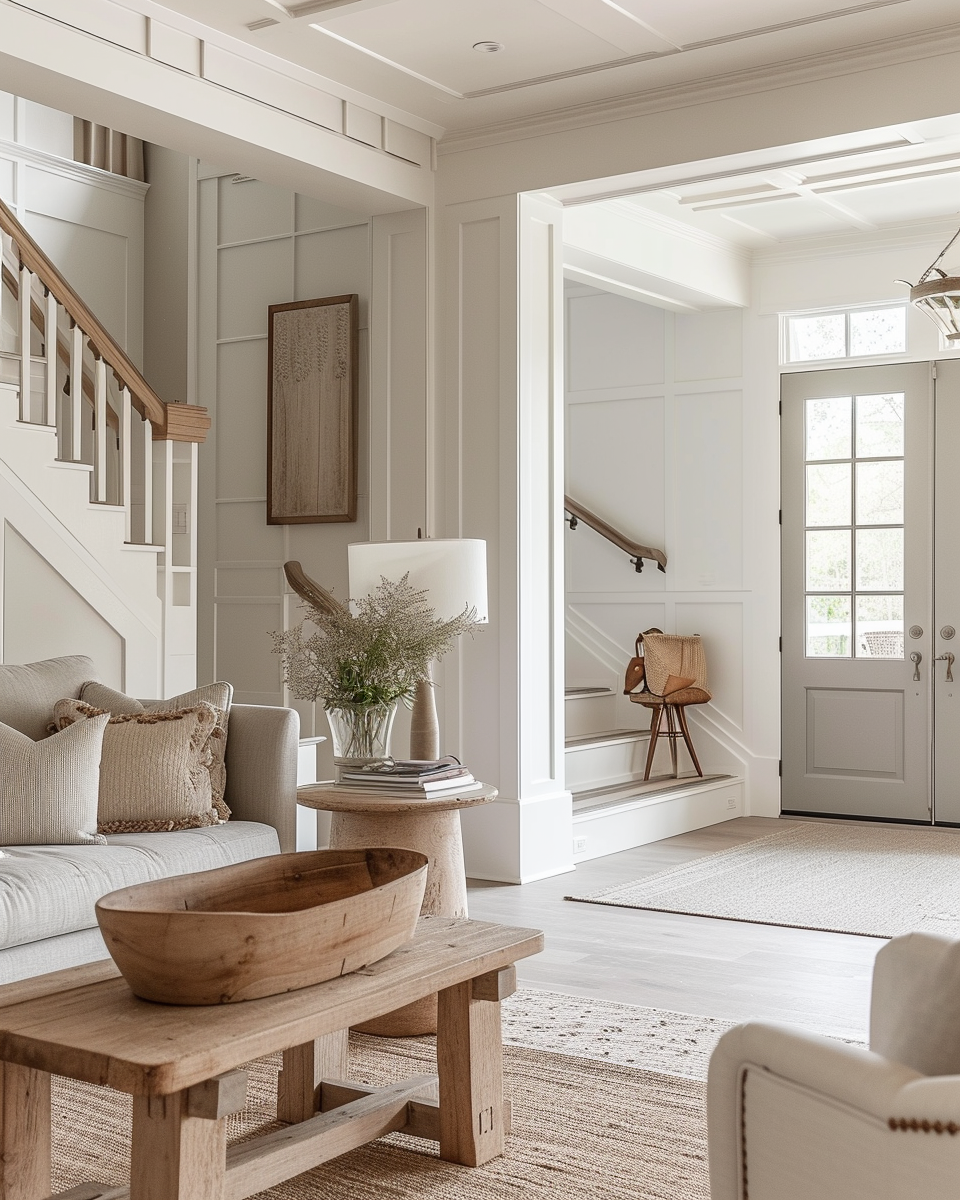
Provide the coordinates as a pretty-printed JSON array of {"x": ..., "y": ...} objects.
[{"x": 858, "y": 636}]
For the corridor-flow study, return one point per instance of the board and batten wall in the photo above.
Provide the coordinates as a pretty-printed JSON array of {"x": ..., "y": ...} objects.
[
  {"x": 260, "y": 245},
  {"x": 53, "y": 598},
  {"x": 661, "y": 442}
]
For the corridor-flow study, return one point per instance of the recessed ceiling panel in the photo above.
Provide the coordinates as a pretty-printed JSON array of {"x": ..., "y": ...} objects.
[
  {"x": 789, "y": 218},
  {"x": 906, "y": 200},
  {"x": 435, "y": 39}
]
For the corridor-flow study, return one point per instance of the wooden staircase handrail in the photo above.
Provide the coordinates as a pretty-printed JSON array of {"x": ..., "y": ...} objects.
[
  {"x": 171, "y": 422},
  {"x": 637, "y": 552}
]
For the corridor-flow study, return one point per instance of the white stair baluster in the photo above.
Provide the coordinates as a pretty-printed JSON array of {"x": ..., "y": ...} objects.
[
  {"x": 50, "y": 349},
  {"x": 147, "y": 448},
  {"x": 126, "y": 411},
  {"x": 75, "y": 450},
  {"x": 26, "y": 290},
  {"x": 100, "y": 431}
]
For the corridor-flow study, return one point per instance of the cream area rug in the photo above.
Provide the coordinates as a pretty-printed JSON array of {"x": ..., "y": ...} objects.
[
  {"x": 583, "y": 1126},
  {"x": 876, "y": 881}
]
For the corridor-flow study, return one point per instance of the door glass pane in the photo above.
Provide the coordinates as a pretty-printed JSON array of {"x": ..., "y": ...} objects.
[
  {"x": 878, "y": 331},
  {"x": 879, "y": 560},
  {"x": 828, "y": 494},
  {"x": 828, "y": 559},
  {"x": 828, "y": 626},
  {"x": 879, "y": 493},
  {"x": 880, "y": 426},
  {"x": 828, "y": 428},
  {"x": 880, "y": 626},
  {"x": 817, "y": 337}
]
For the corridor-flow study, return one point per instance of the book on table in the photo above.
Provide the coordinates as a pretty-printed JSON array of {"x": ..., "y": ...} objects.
[{"x": 411, "y": 776}]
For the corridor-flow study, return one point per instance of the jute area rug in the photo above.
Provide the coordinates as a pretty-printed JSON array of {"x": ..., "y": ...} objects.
[
  {"x": 875, "y": 881},
  {"x": 584, "y": 1125}
]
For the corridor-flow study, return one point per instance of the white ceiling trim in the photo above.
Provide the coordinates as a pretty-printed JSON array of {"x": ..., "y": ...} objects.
[
  {"x": 894, "y": 237},
  {"x": 851, "y": 60},
  {"x": 657, "y": 221}
]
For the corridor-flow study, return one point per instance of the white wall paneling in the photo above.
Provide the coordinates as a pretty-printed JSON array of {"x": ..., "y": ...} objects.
[{"x": 502, "y": 424}]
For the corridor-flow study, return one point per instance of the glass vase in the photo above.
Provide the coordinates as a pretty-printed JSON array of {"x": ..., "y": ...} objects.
[{"x": 360, "y": 733}]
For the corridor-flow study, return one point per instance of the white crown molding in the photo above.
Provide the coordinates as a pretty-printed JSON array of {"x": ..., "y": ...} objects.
[
  {"x": 850, "y": 60},
  {"x": 66, "y": 168},
  {"x": 843, "y": 245},
  {"x": 664, "y": 224}
]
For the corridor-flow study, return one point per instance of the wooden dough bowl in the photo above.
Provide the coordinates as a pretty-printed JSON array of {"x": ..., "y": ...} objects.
[{"x": 262, "y": 927}]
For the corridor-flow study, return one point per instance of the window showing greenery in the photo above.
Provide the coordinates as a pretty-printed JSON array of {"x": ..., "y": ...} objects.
[
  {"x": 854, "y": 448},
  {"x": 854, "y": 333}
]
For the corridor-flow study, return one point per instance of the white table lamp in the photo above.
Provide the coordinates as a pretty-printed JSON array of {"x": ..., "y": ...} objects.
[{"x": 453, "y": 572}]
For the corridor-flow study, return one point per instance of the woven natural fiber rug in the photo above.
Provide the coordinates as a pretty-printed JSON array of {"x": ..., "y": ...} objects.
[
  {"x": 875, "y": 881},
  {"x": 581, "y": 1129}
]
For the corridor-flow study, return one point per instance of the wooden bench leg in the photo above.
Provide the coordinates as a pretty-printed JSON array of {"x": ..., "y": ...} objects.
[
  {"x": 470, "y": 1070},
  {"x": 24, "y": 1133},
  {"x": 303, "y": 1068},
  {"x": 175, "y": 1156}
]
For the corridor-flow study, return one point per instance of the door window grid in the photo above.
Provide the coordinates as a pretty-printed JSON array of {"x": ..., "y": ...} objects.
[
  {"x": 854, "y": 532},
  {"x": 844, "y": 333}
]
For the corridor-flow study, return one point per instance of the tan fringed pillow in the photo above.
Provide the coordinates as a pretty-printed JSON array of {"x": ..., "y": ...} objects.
[
  {"x": 219, "y": 695},
  {"x": 154, "y": 770}
]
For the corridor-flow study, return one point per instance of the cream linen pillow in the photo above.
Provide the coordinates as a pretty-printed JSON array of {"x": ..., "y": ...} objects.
[
  {"x": 219, "y": 695},
  {"x": 154, "y": 772},
  {"x": 49, "y": 789}
]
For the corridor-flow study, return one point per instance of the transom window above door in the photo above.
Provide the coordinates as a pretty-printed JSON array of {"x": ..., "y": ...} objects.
[
  {"x": 854, "y": 526},
  {"x": 844, "y": 333}
]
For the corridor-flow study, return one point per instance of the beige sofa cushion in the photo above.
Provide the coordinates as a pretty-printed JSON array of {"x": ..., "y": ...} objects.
[
  {"x": 154, "y": 773},
  {"x": 29, "y": 691},
  {"x": 913, "y": 1004},
  {"x": 49, "y": 789},
  {"x": 220, "y": 695}
]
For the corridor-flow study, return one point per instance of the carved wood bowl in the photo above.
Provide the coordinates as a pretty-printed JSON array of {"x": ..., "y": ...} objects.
[{"x": 262, "y": 927}]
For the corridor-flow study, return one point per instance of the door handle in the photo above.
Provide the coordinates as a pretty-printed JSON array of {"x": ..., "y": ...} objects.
[
  {"x": 949, "y": 659},
  {"x": 916, "y": 658}
]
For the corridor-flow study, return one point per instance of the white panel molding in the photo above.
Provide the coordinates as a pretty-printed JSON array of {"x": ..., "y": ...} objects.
[{"x": 53, "y": 164}]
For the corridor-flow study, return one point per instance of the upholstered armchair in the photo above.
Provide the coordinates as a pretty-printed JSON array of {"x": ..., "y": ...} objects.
[{"x": 795, "y": 1116}]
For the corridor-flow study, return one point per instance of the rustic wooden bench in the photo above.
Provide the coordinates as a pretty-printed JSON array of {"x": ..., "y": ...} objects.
[{"x": 180, "y": 1066}]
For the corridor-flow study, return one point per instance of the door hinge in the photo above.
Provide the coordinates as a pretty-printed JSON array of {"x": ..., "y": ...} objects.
[
  {"x": 933, "y": 370},
  {"x": 779, "y": 516},
  {"x": 780, "y": 768},
  {"x": 780, "y": 640}
]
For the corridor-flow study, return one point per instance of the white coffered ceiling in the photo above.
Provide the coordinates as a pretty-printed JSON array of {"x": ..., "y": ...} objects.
[{"x": 419, "y": 55}]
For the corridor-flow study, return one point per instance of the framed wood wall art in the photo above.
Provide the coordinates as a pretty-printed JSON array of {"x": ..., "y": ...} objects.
[{"x": 312, "y": 402}]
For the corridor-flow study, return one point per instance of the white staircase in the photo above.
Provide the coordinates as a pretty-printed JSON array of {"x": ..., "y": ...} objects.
[
  {"x": 613, "y": 808},
  {"x": 98, "y": 477}
]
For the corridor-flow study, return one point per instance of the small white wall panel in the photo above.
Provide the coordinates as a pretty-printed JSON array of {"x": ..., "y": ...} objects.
[
  {"x": 7, "y": 117},
  {"x": 312, "y": 213},
  {"x": 48, "y": 129},
  {"x": 721, "y": 627},
  {"x": 252, "y": 277},
  {"x": 618, "y": 343},
  {"x": 104, "y": 19},
  {"x": 708, "y": 465},
  {"x": 244, "y": 647},
  {"x": 242, "y": 532},
  {"x": 174, "y": 47},
  {"x": 271, "y": 87},
  {"x": 334, "y": 263},
  {"x": 363, "y": 125},
  {"x": 407, "y": 143},
  {"x": 708, "y": 345},
  {"x": 249, "y": 581},
  {"x": 251, "y": 210},
  {"x": 241, "y": 390}
]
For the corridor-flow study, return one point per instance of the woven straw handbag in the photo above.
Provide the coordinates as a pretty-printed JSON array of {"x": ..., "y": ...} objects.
[{"x": 672, "y": 662}]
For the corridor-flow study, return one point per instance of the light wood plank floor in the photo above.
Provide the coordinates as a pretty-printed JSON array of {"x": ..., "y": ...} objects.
[{"x": 698, "y": 965}]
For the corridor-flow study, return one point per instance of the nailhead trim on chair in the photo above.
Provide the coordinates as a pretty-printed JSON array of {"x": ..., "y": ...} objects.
[{"x": 912, "y": 1125}]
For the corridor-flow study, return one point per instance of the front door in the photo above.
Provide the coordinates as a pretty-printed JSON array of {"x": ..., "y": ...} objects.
[{"x": 858, "y": 511}]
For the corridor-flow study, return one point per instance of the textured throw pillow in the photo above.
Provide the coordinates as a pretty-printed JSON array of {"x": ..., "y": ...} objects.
[
  {"x": 154, "y": 772},
  {"x": 219, "y": 695},
  {"x": 49, "y": 789},
  {"x": 29, "y": 691}
]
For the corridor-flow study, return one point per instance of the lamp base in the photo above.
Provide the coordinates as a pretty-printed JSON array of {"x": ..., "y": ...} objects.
[{"x": 424, "y": 726}]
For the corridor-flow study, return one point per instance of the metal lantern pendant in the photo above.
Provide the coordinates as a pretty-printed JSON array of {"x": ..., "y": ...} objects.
[{"x": 939, "y": 297}]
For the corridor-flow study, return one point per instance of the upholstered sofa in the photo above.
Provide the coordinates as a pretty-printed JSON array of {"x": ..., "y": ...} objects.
[{"x": 48, "y": 892}]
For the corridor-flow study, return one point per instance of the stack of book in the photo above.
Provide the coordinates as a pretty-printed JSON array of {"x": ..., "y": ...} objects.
[{"x": 411, "y": 777}]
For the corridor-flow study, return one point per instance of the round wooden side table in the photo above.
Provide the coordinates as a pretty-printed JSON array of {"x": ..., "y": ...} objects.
[{"x": 431, "y": 825}]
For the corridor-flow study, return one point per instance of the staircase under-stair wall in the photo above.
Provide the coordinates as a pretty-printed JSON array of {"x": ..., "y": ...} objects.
[{"x": 98, "y": 486}]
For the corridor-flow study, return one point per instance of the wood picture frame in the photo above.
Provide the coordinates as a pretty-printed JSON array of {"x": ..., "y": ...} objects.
[{"x": 312, "y": 410}]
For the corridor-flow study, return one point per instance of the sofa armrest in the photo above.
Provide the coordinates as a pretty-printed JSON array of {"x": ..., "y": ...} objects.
[{"x": 262, "y": 745}]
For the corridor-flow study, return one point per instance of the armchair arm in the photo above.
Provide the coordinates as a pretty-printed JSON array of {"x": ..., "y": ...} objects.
[
  {"x": 843, "y": 1080},
  {"x": 262, "y": 745}
]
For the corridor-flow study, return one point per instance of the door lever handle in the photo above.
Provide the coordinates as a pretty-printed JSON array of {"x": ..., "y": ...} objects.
[
  {"x": 949, "y": 659},
  {"x": 916, "y": 658}
]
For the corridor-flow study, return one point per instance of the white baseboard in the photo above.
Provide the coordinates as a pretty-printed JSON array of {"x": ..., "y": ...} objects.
[{"x": 518, "y": 841}]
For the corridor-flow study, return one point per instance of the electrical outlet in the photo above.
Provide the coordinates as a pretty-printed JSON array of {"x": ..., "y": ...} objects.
[
  {"x": 579, "y": 845},
  {"x": 731, "y": 802}
]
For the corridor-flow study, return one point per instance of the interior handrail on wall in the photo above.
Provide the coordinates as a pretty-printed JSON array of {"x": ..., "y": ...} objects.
[
  {"x": 170, "y": 422},
  {"x": 636, "y": 551}
]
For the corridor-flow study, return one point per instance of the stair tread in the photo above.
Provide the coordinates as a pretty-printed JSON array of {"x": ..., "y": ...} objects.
[
  {"x": 605, "y": 735},
  {"x": 574, "y": 691},
  {"x": 594, "y": 799}
]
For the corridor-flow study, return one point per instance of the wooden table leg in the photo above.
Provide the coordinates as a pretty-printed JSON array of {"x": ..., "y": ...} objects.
[
  {"x": 470, "y": 1069},
  {"x": 24, "y": 1133},
  {"x": 175, "y": 1156},
  {"x": 303, "y": 1068}
]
